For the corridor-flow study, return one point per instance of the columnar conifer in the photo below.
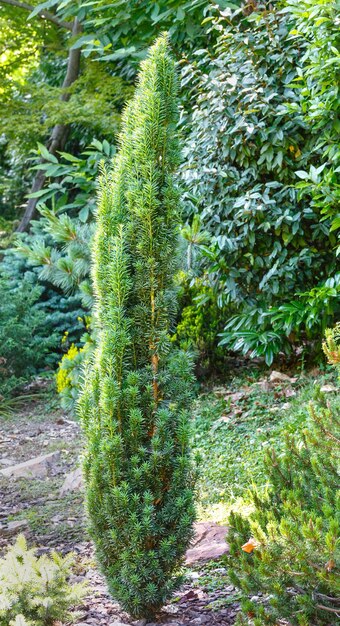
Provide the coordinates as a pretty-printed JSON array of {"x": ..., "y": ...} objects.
[{"x": 137, "y": 387}]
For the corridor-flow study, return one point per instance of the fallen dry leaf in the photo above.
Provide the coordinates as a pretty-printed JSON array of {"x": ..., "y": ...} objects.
[
  {"x": 249, "y": 546},
  {"x": 330, "y": 565}
]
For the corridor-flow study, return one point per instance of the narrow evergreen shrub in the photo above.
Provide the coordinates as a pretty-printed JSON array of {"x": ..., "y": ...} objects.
[
  {"x": 137, "y": 389},
  {"x": 289, "y": 547}
]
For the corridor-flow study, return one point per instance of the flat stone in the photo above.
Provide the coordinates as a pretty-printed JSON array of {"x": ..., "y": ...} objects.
[
  {"x": 279, "y": 377},
  {"x": 12, "y": 528},
  {"x": 34, "y": 468},
  {"x": 209, "y": 543},
  {"x": 5, "y": 462},
  {"x": 72, "y": 482},
  {"x": 329, "y": 389}
]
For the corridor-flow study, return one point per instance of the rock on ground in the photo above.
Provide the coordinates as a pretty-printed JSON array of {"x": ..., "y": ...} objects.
[
  {"x": 73, "y": 482},
  {"x": 209, "y": 543},
  {"x": 34, "y": 468},
  {"x": 13, "y": 528},
  {"x": 279, "y": 377}
]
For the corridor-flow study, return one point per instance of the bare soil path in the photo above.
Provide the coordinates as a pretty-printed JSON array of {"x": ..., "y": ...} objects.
[{"x": 50, "y": 520}]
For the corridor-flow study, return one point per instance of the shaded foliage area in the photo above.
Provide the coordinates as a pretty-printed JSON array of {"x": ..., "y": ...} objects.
[
  {"x": 34, "y": 316},
  {"x": 260, "y": 119},
  {"x": 39, "y": 103},
  {"x": 249, "y": 141}
]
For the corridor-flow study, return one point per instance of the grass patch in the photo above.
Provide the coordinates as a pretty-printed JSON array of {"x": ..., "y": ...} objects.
[{"x": 232, "y": 428}]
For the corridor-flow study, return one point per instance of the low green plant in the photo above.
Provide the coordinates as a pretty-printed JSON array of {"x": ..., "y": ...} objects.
[
  {"x": 198, "y": 327},
  {"x": 69, "y": 372},
  {"x": 280, "y": 329},
  {"x": 24, "y": 340},
  {"x": 288, "y": 548},
  {"x": 34, "y": 591}
]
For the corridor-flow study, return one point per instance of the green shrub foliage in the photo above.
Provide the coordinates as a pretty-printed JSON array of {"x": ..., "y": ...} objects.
[
  {"x": 58, "y": 246},
  {"x": 25, "y": 342},
  {"x": 137, "y": 389},
  {"x": 291, "y": 541},
  {"x": 248, "y": 138},
  {"x": 317, "y": 29},
  {"x": 33, "y": 318},
  {"x": 34, "y": 591}
]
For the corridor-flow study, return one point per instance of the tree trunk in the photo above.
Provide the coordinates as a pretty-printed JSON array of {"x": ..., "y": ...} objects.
[{"x": 59, "y": 133}]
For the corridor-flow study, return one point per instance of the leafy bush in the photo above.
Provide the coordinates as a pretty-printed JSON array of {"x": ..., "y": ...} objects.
[
  {"x": 59, "y": 244},
  {"x": 317, "y": 29},
  {"x": 34, "y": 591},
  {"x": 69, "y": 372},
  {"x": 288, "y": 549},
  {"x": 137, "y": 388},
  {"x": 248, "y": 137},
  {"x": 198, "y": 327}
]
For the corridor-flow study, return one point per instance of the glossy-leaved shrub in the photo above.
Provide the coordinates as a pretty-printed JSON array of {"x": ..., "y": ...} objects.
[
  {"x": 270, "y": 260},
  {"x": 137, "y": 386},
  {"x": 35, "y": 591}
]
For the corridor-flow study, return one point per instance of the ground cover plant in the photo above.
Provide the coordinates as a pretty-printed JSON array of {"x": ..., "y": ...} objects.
[
  {"x": 137, "y": 390},
  {"x": 235, "y": 423}
]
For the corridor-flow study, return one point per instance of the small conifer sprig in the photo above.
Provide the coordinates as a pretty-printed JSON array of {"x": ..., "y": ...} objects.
[{"x": 137, "y": 387}]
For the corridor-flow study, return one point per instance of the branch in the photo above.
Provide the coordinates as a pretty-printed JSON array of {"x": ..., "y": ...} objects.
[
  {"x": 328, "y": 608},
  {"x": 45, "y": 15}
]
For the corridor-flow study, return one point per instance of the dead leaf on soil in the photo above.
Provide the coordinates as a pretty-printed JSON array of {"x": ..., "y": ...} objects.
[{"x": 249, "y": 546}]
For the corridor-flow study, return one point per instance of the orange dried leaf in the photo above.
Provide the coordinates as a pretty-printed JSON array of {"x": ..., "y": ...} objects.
[
  {"x": 249, "y": 546},
  {"x": 330, "y": 565}
]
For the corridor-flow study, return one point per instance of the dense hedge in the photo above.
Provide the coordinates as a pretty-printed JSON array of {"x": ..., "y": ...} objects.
[{"x": 248, "y": 141}]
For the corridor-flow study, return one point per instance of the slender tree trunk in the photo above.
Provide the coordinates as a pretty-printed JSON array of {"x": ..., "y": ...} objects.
[{"x": 59, "y": 133}]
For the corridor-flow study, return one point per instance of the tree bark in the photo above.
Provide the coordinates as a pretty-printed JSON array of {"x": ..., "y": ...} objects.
[{"x": 59, "y": 133}]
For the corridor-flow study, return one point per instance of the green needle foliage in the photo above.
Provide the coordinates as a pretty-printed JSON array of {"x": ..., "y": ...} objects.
[
  {"x": 137, "y": 389},
  {"x": 35, "y": 591},
  {"x": 288, "y": 549}
]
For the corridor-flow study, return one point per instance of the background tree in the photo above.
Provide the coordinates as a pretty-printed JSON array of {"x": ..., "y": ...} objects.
[
  {"x": 137, "y": 390},
  {"x": 56, "y": 93}
]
